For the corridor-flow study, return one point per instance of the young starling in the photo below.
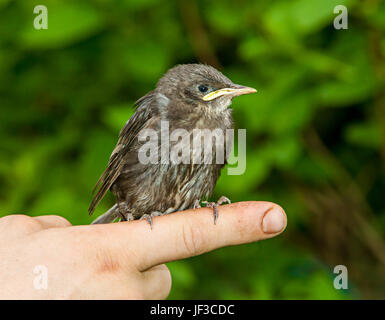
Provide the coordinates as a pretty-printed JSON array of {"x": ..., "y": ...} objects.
[{"x": 188, "y": 97}]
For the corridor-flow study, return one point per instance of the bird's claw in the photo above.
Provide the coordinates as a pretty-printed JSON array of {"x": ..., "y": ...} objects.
[
  {"x": 124, "y": 212},
  {"x": 222, "y": 200},
  {"x": 214, "y": 206},
  {"x": 148, "y": 217},
  {"x": 197, "y": 204},
  {"x": 126, "y": 217}
]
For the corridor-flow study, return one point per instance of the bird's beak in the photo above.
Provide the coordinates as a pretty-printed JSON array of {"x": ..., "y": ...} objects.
[{"x": 235, "y": 91}]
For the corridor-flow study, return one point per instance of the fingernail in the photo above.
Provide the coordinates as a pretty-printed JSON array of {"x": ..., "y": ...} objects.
[{"x": 273, "y": 221}]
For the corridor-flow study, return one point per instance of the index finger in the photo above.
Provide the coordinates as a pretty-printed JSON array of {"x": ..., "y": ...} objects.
[{"x": 193, "y": 232}]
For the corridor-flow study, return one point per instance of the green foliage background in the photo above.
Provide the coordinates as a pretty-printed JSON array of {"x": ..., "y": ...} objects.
[{"x": 315, "y": 130}]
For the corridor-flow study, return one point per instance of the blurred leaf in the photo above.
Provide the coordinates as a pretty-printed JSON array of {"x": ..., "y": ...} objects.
[
  {"x": 365, "y": 135},
  {"x": 144, "y": 59},
  {"x": 4, "y": 3},
  {"x": 224, "y": 16},
  {"x": 116, "y": 116}
]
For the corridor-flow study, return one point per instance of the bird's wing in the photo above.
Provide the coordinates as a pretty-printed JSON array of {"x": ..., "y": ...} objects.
[{"x": 127, "y": 137}]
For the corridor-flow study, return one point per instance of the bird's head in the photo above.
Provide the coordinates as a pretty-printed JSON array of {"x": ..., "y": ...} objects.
[{"x": 200, "y": 85}]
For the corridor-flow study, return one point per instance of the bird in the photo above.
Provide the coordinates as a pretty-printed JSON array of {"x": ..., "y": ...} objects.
[{"x": 187, "y": 97}]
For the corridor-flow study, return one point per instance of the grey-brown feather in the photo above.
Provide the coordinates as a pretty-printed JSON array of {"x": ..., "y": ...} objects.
[{"x": 127, "y": 138}]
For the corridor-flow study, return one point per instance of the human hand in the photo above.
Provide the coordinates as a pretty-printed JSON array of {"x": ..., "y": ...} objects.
[{"x": 122, "y": 260}]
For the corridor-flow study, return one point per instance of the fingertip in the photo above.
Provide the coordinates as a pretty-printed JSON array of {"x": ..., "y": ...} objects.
[
  {"x": 255, "y": 219},
  {"x": 274, "y": 220}
]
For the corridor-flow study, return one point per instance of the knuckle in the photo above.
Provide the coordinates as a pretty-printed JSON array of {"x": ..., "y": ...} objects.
[
  {"x": 136, "y": 296},
  {"x": 133, "y": 292},
  {"x": 62, "y": 221},
  {"x": 192, "y": 239},
  {"x": 160, "y": 286},
  {"x": 166, "y": 283},
  {"x": 13, "y": 218},
  {"x": 23, "y": 223}
]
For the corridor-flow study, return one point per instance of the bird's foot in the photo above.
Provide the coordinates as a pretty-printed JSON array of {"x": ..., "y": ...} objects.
[
  {"x": 197, "y": 204},
  {"x": 125, "y": 217},
  {"x": 214, "y": 206},
  {"x": 129, "y": 217},
  {"x": 148, "y": 217},
  {"x": 124, "y": 212}
]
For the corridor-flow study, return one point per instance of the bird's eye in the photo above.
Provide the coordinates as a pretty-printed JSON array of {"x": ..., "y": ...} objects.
[{"x": 202, "y": 88}]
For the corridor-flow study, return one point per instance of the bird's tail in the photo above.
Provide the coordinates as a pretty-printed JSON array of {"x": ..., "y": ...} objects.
[{"x": 109, "y": 216}]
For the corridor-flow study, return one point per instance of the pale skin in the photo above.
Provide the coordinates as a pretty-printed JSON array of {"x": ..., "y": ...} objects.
[{"x": 122, "y": 260}]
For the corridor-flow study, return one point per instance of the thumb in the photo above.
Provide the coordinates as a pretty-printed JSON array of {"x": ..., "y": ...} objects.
[{"x": 193, "y": 232}]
